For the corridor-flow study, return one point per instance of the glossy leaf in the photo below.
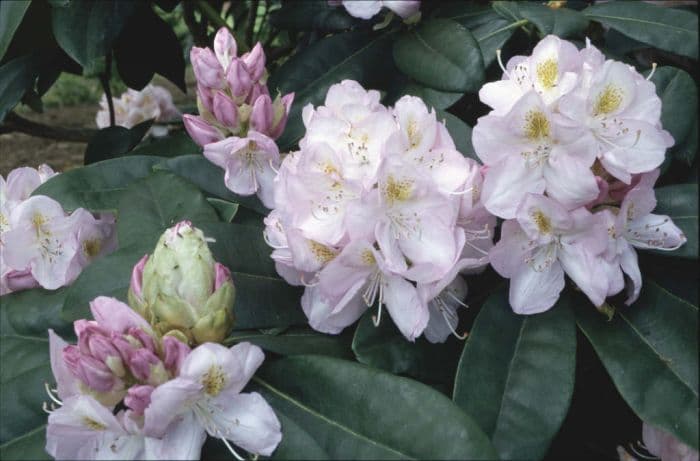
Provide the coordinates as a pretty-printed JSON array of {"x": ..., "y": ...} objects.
[
  {"x": 297, "y": 341},
  {"x": 385, "y": 347},
  {"x": 11, "y": 14},
  {"x": 210, "y": 178},
  {"x": 174, "y": 145},
  {"x": 225, "y": 209},
  {"x": 310, "y": 16},
  {"x": 667, "y": 28},
  {"x": 433, "y": 98},
  {"x": 680, "y": 202},
  {"x": 357, "y": 56},
  {"x": 16, "y": 77},
  {"x": 344, "y": 410},
  {"x": 516, "y": 375},
  {"x": 490, "y": 29},
  {"x": 679, "y": 97},
  {"x": 97, "y": 187},
  {"x": 86, "y": 30},
  {"x": 441, "y": 54},
  {"x": 562, "y": 22},
  {"x": 650, "y": 350},
  {"x": 114, "y": 141},
  {"x": 461, "y": 133},
  {"x": 28, "y": 446}
]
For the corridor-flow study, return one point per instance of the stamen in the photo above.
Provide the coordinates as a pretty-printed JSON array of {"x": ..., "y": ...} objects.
[
  {"x": 461, "y": 192},
  {"x": 443, "y": 311},
  {"x": 500, "y": 63},
  {"x": 51, "y": 392},
  {"x": 273, "y": 167},
  {"x": 485, "y": 253},
  {"x": 230, "y": 448},
  {"x": 377, "y": 318},
  {"x": 653, "y": 69},
  {"x": 456, "y": 299},
  {"x": 643, "y": 456},
  {"x": 269, "y": 243}
]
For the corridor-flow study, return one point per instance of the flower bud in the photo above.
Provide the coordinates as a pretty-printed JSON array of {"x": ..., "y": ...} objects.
[
  {"x": 207, "y": 68},
  {"x": 147, "y": 367},
  {"x": 134, "y": 295},
  {"x": 261, "y": 115},
  {"x": 186, "y": 293},
  {"x": 238, "y": 78},
  {"x": 281, "y": 109},
  {"x": 255, "y": 62},
  {"x": 205, "y": 100},
  {"x": 93, "y": 373},
  {"x": 138, "y": 398},
  {"x": 225, "y": 110},
  {"x": 256, "y": 91},
  {"x": 174, "y": 351},
  {"x": 200, "y": 131},
  {"x": 224, "y": 47}
]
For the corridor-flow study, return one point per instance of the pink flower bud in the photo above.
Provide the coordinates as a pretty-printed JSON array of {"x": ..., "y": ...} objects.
[
  {"x": 93, "y": 373},
  {"x": 223, "y": 275},
  {"x": 205, "y": 99},
  {"x": 137, "y": 276},
  {"x": 200, "y": 131},
  {"x": 225, "y": 110},
  {"x": 224, "y": 47},
  {"x": 20, "y": 280},
  {"x": 138, "y": 398},
  {"x": 142, "y": 337},
  {"x": 141, "y": 363},
  {"x": 174, "y": 353},
  {"x": 261, "y": 115},
  {"x": 238, "y": 78},
  {"x": 255, "y": 61},
  {"x": 281, "y": 113},
  {"x": 207, "y": 68},
  {"x": 255, "y": 92}
]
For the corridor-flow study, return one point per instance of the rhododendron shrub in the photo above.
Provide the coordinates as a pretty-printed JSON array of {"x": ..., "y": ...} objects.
[{"x": 368, "y": 229}]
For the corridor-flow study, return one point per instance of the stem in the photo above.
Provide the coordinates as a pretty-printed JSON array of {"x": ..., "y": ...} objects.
[
  {"x": 104, "y": 79},
  {"x": 252, "y": 16},
  {"x": 15, "y": 123}
]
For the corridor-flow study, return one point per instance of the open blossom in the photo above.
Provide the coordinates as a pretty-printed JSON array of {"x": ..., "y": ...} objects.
[
  {"x": 41, "y": 244},
  {"x": 153, "y": 102},
  {"x": 207, "y": 394},
  {"x": 238, "y": 120},
  {"x": 377, "y": 208},
  {"x": 540, "y": 245},
  {"x": 633, "y": 225}
]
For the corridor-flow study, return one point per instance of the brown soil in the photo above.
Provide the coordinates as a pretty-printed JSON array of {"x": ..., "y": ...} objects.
[{"x": 18, "y": 149}]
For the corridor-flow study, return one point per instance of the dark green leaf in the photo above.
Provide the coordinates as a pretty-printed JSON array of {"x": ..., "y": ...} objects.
[
  {"x": 11, "y": 14},
  {"x": 666, "y": 28},
  {"x": 297, "y": 341},
  {"x": 29, "y": 446},
  {"x": 563, "y": 22},
  {"x": 163, "y": 200},
  {"x": 148, "y": 45},
  {"x": 97, "y": 187},
  {"x": 680, "y": 202},
  {"x": 210, "y": 178},
  {"x": 650, "y": 351},
  {"x": 86, "y": 30},
  {"x": 114, "y": 141},
  {"x": 225, "y": 209},
  {"x": 358, "y": 56},
  {"x": 173, "y": 145},
  {"x": 345, "y": 410},
  {"x": 679, "y": 97},
  {"x": 311, "y": 15},
  {"x": 16, "y": 77},
  {"x": 32, "y": 312},
  {"x": 441, "y": 54},
  {"x": 461, "y": 133},
  {"x": 516, "y": 375},
  {"x": 489, "y": 28},
  {"x": 432, "y": 97},
  {"x": 385, "y": 347}
]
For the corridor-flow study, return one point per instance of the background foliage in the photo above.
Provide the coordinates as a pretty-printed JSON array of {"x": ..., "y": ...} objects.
[{"x": 565, "y": 384}]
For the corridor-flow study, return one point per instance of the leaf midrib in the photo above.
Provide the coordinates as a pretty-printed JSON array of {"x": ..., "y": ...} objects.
[
  {"x": 323, "y": 418},
  {"x": 642, "y": 21}
]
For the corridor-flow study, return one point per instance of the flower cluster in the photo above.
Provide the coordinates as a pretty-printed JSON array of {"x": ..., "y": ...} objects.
[
  {"x": 661, "y": 445},
  {"x": 367, "y": 9},
  {"x": 238, "y": 120},
  {"x": 571, "y": 151},
  {"x": 133, "y": 107},
  {"x": 378, "y": 207},
  {"x": 41, "y": 244},
  {"x": 128, "y": 391}
]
